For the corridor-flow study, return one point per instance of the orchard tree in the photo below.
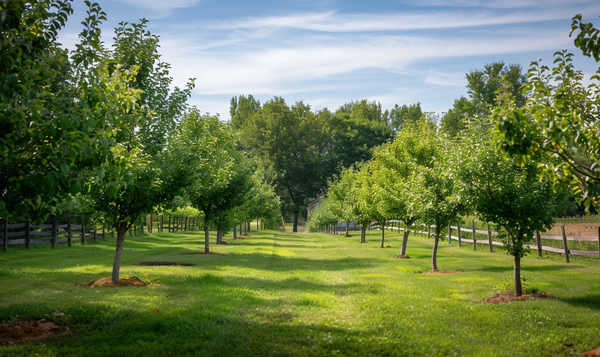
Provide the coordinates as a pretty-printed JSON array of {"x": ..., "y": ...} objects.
[
  {"x": 57, "y": 118},
  {"x": 367, "y": 203},
  {"x": 436, "y": 189},
  {"x": 342, "y": 197},
  {"x": 396, "y": 168},
  {"x": 560, "y": 118},
  {"x": 505, "y": 193},
  {"x": 138, "y": 173},
  {"x": 323, "y": 216},
  {"x": 217, "y": 175}
]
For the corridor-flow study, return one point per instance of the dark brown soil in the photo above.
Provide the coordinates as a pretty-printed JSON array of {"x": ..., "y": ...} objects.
[
  {"x": 157, "y": 264},
  {"x": 209, "y": 253},
  {"x": 592, "y": 353},
  {"x": 224, "y": 243},
  {"x": 443, "y": 272},
  {"x": 133, "y": 281},
  {"x": 503, "y": 298},
  {"x": 28, "y": 330},
  {"x": 402, "y": 257}
]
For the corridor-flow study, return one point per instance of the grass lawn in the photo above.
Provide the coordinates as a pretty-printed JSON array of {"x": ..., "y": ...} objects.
[{"x": 279, "y": 294}]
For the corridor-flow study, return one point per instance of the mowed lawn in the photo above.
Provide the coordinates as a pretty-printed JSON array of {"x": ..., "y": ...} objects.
[{"x": 279, "y": 294}]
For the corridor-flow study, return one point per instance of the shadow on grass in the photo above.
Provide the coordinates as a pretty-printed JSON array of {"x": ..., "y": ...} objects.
[{"x": 590, "y": 301}]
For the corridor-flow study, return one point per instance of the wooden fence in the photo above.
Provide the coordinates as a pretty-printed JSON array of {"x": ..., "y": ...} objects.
[
  {"x": 53, "y": 233},
  {"x": 538, "y": 246}
]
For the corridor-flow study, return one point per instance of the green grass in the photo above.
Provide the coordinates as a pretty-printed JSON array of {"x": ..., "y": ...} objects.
[{"x": 291, "y": 294}]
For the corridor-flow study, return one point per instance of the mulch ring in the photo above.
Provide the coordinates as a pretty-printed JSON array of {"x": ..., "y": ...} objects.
[
  {"x": 503, "y": 298},
  {"x": 133, "y": 281},
  {"x": 163, "y": 264},
  {"x": 443, "y": 272},
  {"x": 28, "y": 330},
  {"x": 592, "y": 353},
  {"x": 402, "y": 257},
  {"x": 209, "y": 253}
]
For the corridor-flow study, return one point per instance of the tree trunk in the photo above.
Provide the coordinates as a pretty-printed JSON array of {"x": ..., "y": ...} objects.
[
  {"x": 435, "y": 248},
  {"x": 121, "y": 230},
  {"x": 363, "y": 234},
  {"x": 518, "y": 287},
  {"x": 382, "y": 234},
  {"x": 296, "y": 220},
  {"x": 219, "y": 236},
  {"x": 404, "y": 241},
  {"x": 347, "y": 228},
  {"x": 234, "y": 232},
  {"x": 206, "y": 240}
]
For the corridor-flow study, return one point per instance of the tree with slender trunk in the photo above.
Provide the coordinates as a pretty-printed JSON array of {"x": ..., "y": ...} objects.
[{"x": 501, "y": 191}]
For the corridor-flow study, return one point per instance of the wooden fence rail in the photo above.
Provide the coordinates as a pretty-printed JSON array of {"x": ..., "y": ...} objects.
[
  {"x": 22, "y": 233},
  {"x": 538, "y": 246}
]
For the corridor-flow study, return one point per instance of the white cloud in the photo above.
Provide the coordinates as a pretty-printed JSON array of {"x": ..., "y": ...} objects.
[
  {"x": 501, "y": 4},
  {"x": 273, "y": 69},
  {"x": 335, "y": 22},
  {"x": 163, "y": 5}
]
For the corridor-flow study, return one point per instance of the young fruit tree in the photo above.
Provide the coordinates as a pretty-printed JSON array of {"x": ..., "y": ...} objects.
[
  {"x": 137, "y": 174},
  {"x": 510, "y": 195},
  {"x": 217, "y": 175}
]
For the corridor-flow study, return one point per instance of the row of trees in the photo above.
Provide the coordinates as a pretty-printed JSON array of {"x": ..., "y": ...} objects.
[
  {"x": 100, "y": 127},
  {"x": 510, "y": 160}
]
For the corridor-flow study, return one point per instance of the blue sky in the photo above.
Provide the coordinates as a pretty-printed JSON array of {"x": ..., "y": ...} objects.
[{"x": 331, "y": 52}]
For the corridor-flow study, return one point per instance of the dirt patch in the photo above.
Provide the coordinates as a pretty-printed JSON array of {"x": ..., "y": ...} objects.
[
  {"x": 160, "y": 264},
  {"x": 28, "y": 330},
  {"x": 209, "y": 253},
  {"x": 402, "y": 257},
  {"x": 223, "y": 243},
  {"x": 592, "y": 353},
  {"x": 133, "y": 281},
  {"x": 443, "y": 272},
  {"x": 503, "y": 298},
  {"x": 575, "y": 229}
]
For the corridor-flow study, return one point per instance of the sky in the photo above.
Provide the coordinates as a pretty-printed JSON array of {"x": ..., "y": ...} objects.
[{"x": 330, "y": 52}]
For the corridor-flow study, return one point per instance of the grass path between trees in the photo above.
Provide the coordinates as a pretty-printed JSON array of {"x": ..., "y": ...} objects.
[{"x": 286, "y": 294}]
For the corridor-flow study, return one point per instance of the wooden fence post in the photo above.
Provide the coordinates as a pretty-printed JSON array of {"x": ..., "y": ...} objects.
[
  {"x": 162, "y": 221},
  {"x": 449, "y": 234},
  {"x": 53, "y": 232},
  {"x": 82, "y": 229},
  {"x": 134, "y": 229},
  {"x": 490, "y": 238},
  {"x": 598, "y": 242},
  {"x": 459, "y": 241},
  {"x": 538, "y": 240},
  {"x": 5, "y": 234},
  {"x": 69, "y": 235},
  {"x": 103, "y": 233},
  {"x": 95, "y": 232},
  {"x": 142, "y": 223},
  {"x": 564, "y": 236},
  {"x": 474, "y": 237},
  {"x": 27, "y": 233}
]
